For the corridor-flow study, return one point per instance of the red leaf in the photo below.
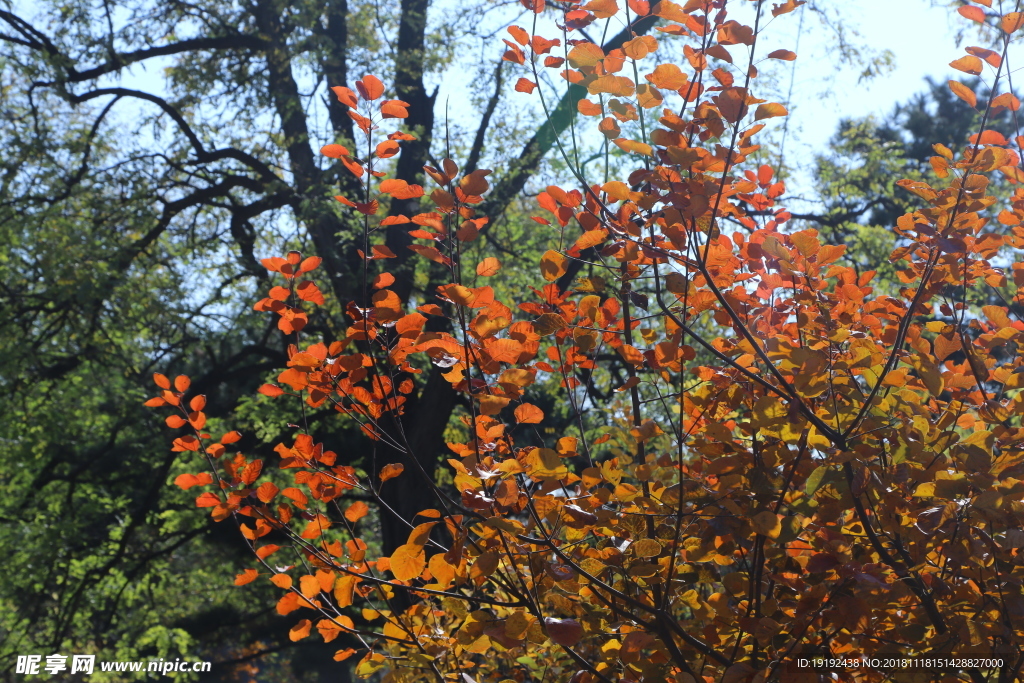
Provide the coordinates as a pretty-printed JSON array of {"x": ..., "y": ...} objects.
[{"x": 565, "y": 632}]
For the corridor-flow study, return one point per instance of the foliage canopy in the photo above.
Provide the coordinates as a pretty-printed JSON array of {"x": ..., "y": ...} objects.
[{"x": 755, "y": 455}]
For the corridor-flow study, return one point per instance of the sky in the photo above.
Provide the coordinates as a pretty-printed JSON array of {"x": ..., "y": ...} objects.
[
  {"x": 921, "y": 38},
  {"x": 920, "y": 34}
]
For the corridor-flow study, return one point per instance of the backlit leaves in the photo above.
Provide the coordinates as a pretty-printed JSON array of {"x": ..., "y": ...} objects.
[
  {"x": 696, "y": 414},
  {"x": 390, "y": 471},
  {"x": 964, "y": 93}
]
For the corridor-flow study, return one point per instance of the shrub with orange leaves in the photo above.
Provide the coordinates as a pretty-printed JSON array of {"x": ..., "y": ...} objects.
[{"x": 772, "y": 463}]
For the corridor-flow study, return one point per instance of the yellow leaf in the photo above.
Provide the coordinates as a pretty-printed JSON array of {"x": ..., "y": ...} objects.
[
  {"x": 964, "y": 93},
  {"x": 968, "y": 64},
  {"x": 766, "y": 523},
  {"x": 408, "y": 562},
  {"x": 767, "y": 111},
  {"x": 668, "y": 77},
  {"x": 633, "y": 146}
]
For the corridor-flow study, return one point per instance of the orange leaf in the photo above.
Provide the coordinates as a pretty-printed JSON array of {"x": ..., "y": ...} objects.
[
  {"x": 296, "y": 495},
  {"x": 519, "y": 34},
  {"x": 391, "y": 471},
  {"x": 185, "y": 443},
  {"x": 175, "y": 421},
  {"x": 345, "y": 96},
  {"x": 353, "y": 166},
  {"x": 784, "y": 55},
  {"x": 1007, "y": 100},
  {"x": 270, "y": 390},
  {"x": 356, "y": 511},
  {"x": 988, "y": 137},
  {"x": 161, "y": 380},
  {"x": 633, "y": 146},
  {"x": 488, "y": 267},
  {"x": 383, "y": 280},
  {"x": 300, "y": 630},
  {"x": 525, "y": 85},
  {"x": 342, "y": 655},
  {"x": 767, "y": 111},
  {"x": 187, "y": 481},
  {"x": 309, "y": 586},
  {"x": 667, "y": 77},
  {"x": 370, "y": 87},
  {"x": 248, "y": 576},
  {"x": 990, "y": 56},
  {"x": 334, "y": 151},
  {"x": 588, "y": 108},
  {"x": 395, "y": 109},
  {"x": 207, "y": 500},
  {"x": 527, "y": 413},
  {"x": 182, "y": 383},
  {"x": 553, "y": 265},
  {"x": 408, "y": 561},
  {"x": 602, "y": 9},
  {"x": 387, "y": 149},
  {"x": 968, "y": 64},
  {"x": 266, "y": 491},
  {"x": 310, "y": 263},
  {"x": 732, "y": 103},
  {"x": 1012, "y": 21},
  {"x": 281, "y": 581},
  {"x": 972, "y": 13},
  {"x": 155, "y": 402},
  {"x": 308, "y": 291},
  {"x": 231, "y": 437},
  {"x": 267, "y": 550},
  {"x": 475, "y": 183},
  {"x": 963, "y": 92},
  {"x": 332, "y": 628},
  {"x": 399, "y": 189}
]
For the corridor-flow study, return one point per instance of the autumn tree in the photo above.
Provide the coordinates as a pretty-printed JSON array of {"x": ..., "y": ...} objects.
[
  {"x": 152, "y": 150},
  {"x": 768, "y": 459}
]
